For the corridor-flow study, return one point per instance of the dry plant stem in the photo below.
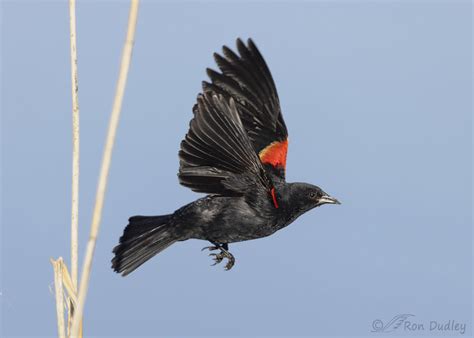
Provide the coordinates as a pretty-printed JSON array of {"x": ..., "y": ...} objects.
[
  {"x": 58, "y": 287},
  {"x": 67, "y": 284},
  {"x": 75, "y": 145},
  {"x": 75, "y": 160},
  {"x": 107, "y": 155}
]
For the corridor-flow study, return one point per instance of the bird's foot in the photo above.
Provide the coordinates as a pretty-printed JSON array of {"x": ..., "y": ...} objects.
[{"x": 219, "y": 257}]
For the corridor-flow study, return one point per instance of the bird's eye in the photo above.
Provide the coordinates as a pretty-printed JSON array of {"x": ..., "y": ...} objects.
[{"x": 312, "y": 194}]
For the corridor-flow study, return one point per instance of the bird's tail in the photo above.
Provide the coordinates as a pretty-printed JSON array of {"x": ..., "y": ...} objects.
[{"x": 143, "y": 238}]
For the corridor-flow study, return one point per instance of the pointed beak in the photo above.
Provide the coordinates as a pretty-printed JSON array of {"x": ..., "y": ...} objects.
[{"x": 326, "y": 199}]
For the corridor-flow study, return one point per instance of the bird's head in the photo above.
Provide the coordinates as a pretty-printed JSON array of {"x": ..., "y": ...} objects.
[{"x": 304, "y": 197}]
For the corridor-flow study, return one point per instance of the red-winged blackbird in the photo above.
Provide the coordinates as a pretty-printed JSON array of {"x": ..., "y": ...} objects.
[{"x": 235, "y": 151}]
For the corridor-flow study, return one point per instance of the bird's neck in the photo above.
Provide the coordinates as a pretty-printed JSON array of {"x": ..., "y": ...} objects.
[{"x": 287, "y": 198}]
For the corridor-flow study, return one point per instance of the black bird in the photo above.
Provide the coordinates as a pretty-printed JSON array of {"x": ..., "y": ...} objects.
[{"x": 235, "y": 151}]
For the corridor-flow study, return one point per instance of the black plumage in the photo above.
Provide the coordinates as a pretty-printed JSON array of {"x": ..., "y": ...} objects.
[{"x": 235, "y": 152}]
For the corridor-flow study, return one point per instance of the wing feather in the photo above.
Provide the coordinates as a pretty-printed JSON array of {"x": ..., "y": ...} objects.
[
  {"x": 217, "y": 156},
  {"x": 246, "y": 78}
]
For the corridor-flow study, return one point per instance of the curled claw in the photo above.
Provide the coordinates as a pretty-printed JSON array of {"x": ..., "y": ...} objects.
[
  {"x": 219, "y": 257},
  {"x": 230, "y": 263}
]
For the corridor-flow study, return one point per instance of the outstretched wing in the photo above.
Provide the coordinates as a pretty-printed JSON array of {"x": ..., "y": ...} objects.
[
  {"x": 247, "y": 79},
  {"x": 216, "y": 156}
]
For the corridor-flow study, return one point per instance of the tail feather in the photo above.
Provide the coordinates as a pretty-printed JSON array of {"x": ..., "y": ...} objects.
[{"x": 143, "y": 238}]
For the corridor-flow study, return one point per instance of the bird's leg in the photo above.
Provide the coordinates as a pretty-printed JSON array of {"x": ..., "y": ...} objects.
[{"x": 224, "y": 253}]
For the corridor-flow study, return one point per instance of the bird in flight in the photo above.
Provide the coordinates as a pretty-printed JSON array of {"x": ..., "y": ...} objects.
[{"x": 235, "y": 152}]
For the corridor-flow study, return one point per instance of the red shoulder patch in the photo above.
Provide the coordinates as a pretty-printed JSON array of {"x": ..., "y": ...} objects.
[{"x": 275, "y": 154}]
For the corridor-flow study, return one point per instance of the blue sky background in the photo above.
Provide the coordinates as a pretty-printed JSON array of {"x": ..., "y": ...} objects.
[{"x": 377, "y": 97}]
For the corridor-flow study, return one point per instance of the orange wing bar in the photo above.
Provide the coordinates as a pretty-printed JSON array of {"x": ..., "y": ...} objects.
[{"x": 275, "y": 154}]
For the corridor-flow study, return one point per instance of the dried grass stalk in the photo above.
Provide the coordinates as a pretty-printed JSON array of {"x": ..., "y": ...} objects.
[
  {"x": 75, "y": 160},
  {"x": 106, "y": 159},
  {"x": 75, "y": 145},
  {"x": 58, "y": 288}
]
